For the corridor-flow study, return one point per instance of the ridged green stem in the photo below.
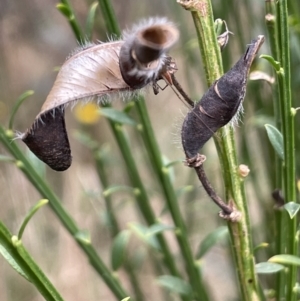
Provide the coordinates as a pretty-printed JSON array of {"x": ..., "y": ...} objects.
[
  {"x": 284, "y": 81},
  {"x": 164, "y": 179},
  {"x": 15, "y": 251},
  {"x": 100, "y": 164},
  {"x": 142, "y": 199},
  {"x": 240, "y": 232},
  {"x": 280, "y": 216}
]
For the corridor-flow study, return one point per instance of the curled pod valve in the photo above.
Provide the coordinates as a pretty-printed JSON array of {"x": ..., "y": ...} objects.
[
  {"x": 218, "y": 105},
  {"x": 99, "y": 72},
  {"x": 143, "y": 56}
]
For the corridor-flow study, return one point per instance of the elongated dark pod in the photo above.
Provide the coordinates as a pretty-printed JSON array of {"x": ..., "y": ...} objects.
[
  {"x": 143, "y": 56},
  {"x": 219, "y": 104},
  {"x": 215, "y": 109}
]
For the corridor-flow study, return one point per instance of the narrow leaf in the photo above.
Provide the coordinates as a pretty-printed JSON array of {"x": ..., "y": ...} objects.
[
  {"x": 19, "y": 101},
  {"x": 4, "y": 158},
  {"x": 91, "y": 20},
  {"x": 30, "y": 214},
  {"x": 286, "y": 259},
  {"x": 117, "y": 116},
  {"x": 64, "y": 9},
  {"x": 83, "y": 236},
  {"x": 276, "y": 140},
  {"x": 268, "y": 268},
  {"x": 8, "y": 251},
  {"x": 262, "y": 245},
  {"x": 158, "y": 228},
  {"x": 271, "y": 60},
  {"x": 175, "y": 285},
  {"x": 113, "y": 189},
  {"x": 292, "y": 208},
  {"x": 142, "y": 232},
  {"x": 119, "y": 249},
  {"x": 210, "y": 240},
  {"x": 125, "y": 299}
]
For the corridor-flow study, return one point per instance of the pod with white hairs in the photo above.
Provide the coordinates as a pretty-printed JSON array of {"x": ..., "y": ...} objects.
[{"x": 101, "y": 71}]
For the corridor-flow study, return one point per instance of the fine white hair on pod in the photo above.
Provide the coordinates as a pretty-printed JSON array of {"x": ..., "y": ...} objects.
[
  {"x": 143, "y": 57},
  {"x": 101, "y": 72}
]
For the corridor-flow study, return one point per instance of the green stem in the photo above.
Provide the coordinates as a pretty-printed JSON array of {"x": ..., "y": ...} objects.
[
  {"x": 284, "y": 77},
  {"x": 74, "y": 23},
  {"x": 109, "y": 17},
  {"x": 280, "y": 217},
  {"x": 100, "y": 164},
  {"x": 164, "y": 179},
  {"x": 142, "y": 197},
  {"x": 55, "y": 204},
  {"x": 240, "y": 232},
  {"x": 16, "y": 255}
]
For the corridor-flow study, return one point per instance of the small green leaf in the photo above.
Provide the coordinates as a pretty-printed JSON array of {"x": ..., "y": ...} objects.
[
  {"x": 119, "y": 249},
  {"x": 172, "y": 163},
  {"x": 8, "y": 251},
  {"x": 268, "y": 268},
  {"x": 271, "y": 60},
  {"x": 18, "y": 103},
  {"x": 90, "y": 20},
  {"x": 85, "y": 139},
  {"x": 125, "y": 299},
  {"x": 262, "y": 245},
  {"x": 276, "y": 139},
  {"x": 175, "y": 285},
  {"x": 117, "y": 116},
  {"x": 6, "y": 159},
  {"x": 30, "y": 214},
  {"x": 83, "y": 236},
  {"x": 117, "y": 188},
  {"x": 185, "y": 189},
  {"x": 292, "y": 208},
  {"x": 210, "y": 240},
  {"x": 64, "y": 9},
  {"x": 142, "y": 232},
  {"x": 286, "y": 259},
  {"x": 218, "y": 26},
  {"x": 158, "y": 228}
]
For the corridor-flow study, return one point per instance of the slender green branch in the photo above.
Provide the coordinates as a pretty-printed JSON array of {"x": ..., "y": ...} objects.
[
  {"x": 134, "y": 279},
  {"x": 65, "y": 8},
  {"x": 170, "y": 196},
  {"x": 56, "y": 205},
  {"x": 14, "y": 252},
  {"x": 280, "y": 216},
  {"x": 109, "y": 17},
  {"x": 240, "y": 232},
  {"x": 288, "y": 138}
]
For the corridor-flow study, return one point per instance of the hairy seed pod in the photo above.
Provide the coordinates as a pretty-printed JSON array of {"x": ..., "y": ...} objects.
[
  {"x": 49, "y": 141},
  {"x": 94, "y": 72},
  {"x": 143, "y": 56},
  {"x": 219, "y": 104}
]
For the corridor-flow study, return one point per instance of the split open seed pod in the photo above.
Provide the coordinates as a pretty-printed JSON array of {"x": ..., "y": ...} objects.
[{"x": 94, "y": 72}]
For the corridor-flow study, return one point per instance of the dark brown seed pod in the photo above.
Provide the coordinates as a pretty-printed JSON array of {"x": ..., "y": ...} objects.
[
  {"x": 48, "y": 140},
  {"x": 219, "y": 104},
  {"x": 143, "y": 56}
]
